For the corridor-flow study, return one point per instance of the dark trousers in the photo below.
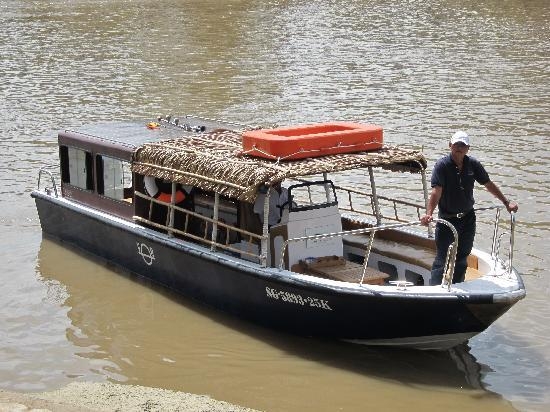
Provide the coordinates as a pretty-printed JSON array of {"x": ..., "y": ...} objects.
[{"x": 466, "y": 229}]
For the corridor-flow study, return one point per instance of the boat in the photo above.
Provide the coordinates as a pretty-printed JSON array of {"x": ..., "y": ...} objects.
[{"x": 174, "y": 200}]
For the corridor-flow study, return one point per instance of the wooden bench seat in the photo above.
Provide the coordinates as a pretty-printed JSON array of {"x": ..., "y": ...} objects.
[{"x": 337, "y": 268}]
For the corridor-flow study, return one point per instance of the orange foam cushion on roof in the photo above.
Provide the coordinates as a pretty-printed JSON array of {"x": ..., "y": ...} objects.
[{"x": 298, "y": 142}]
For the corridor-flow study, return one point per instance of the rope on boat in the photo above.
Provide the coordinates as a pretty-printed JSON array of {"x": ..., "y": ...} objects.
[{"x": 278, "y": 159}]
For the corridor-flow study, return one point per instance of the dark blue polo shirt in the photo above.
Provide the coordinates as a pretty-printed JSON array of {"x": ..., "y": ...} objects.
[{"x": 458, "y": 187}]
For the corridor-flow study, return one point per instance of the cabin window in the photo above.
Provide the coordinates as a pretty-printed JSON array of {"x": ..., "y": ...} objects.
[
  {"x": 114, "y": 177},
  {"x": 312, "y": 195},
  {"x": 76, "y": 167}
]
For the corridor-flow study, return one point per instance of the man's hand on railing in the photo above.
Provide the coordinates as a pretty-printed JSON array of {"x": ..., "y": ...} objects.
[
  {"x": 511, "y": 206},
  {"x": 426, "y": 219}
]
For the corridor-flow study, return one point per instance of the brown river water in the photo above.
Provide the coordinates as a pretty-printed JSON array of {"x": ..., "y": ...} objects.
[{"x": 420, "y": 69}]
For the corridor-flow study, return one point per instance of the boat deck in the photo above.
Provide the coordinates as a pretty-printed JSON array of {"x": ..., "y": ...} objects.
[
  {"x": 337, "y": 268},
  {"x": 418, "y": 255}
]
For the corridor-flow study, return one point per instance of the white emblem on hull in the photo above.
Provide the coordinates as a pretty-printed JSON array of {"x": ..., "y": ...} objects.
[{"x": 146, "y": 253}]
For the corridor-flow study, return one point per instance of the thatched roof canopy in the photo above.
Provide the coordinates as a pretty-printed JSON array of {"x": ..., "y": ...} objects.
[{"x": 215, "y": 162}]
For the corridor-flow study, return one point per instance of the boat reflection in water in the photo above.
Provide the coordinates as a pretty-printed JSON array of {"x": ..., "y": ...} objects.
[{"x": 135, "y": 332}]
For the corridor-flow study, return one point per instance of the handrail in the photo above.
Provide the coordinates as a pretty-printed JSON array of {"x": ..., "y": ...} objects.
[
  {"x": 451, "y": 254},
  {"x": 43, "y": 169},
  {"x": 495, "y": 246}
]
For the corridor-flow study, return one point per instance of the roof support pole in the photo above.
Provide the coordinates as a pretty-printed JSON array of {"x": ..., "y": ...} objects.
[
  {"x": 265, "y": 229},
  {"x": 215, "y": 221},
  {"x": 375, "y": 204},
  {"x": 327, "y": 188},
  {"x": 172, "y": 203}
]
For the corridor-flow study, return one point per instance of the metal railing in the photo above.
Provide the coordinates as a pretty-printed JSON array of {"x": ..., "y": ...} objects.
[
  {"x": 44, "y": 170},
  {"x": 369, "y": 199},
  {"x": 497, "y": 238},
  {"x": 213, "y": 232},
  {"x": 449, "y": 263}
]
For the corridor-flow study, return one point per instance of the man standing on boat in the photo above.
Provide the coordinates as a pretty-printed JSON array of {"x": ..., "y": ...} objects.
[{"x": 452, "y": 183}]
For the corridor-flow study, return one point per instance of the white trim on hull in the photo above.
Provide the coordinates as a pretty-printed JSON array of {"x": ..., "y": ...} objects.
[{"x": 433, "y": 342}]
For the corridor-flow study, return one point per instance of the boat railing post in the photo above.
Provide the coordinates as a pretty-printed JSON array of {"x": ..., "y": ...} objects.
[
  {"x": 511, "y": 251},
  {"x": 367, "y": 255},
  {"x": 350, "y": 200},
  {"x": 494, "y": 252},
  {"x": 447, "y": 275},
  {"x": 215, "y": 221},
  {"x": 450, "y": 260},
  {"x": 375, "y": 203},
  {"x": 426, "y": 197},
  {"x": 497, "y": 257}
]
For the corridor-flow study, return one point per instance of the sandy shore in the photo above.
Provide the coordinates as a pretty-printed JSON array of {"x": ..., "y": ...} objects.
[{"x": 87, "y": 397}]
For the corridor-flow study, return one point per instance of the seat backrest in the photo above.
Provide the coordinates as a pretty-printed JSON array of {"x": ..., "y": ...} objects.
[{"x": 321, "y": 220}]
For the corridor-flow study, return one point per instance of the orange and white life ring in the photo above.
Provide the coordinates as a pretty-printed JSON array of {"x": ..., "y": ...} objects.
[{"x": 152, "y": 190}]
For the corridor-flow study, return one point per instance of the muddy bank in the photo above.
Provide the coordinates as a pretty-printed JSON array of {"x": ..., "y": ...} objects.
[{"x": 87, "y": 397}]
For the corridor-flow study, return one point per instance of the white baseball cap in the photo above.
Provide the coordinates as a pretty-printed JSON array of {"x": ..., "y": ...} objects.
[{"x": 462, "y": 137}]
